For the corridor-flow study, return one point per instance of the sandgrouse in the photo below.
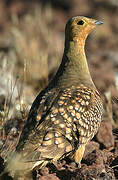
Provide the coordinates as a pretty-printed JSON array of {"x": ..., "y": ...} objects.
[{"x": 66, "y": 115}]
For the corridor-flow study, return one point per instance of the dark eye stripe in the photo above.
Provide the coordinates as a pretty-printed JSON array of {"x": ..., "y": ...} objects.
[{"x": 80, "y": 22}]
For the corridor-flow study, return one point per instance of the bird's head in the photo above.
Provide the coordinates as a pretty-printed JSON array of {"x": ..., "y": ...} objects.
[{"x": 78, "y": 28}]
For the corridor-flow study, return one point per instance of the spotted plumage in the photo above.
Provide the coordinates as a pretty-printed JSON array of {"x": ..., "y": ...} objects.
[{"x": 65, "y": 115}]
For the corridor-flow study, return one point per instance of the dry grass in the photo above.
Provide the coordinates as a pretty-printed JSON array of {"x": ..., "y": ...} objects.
[{"x": 36, "y": 46}]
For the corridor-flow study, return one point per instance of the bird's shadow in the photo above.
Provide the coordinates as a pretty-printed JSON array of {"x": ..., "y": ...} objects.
[{"x": 66, "y": 172}]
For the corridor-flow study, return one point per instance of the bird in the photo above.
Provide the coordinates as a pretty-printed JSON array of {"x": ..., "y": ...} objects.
[{"x": 65, "y": 115}]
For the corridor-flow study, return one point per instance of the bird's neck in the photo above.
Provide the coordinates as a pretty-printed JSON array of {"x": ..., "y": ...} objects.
[{"x": 74, "y": 68}]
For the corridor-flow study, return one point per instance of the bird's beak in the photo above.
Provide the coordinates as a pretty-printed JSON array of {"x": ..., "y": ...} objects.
[{"x": 98, "y": 22}]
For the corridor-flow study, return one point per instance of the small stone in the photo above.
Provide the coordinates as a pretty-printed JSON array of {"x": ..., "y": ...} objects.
[
  {"x": 48, "y": 177},
  {"x": 105, "y": 136},
  {"x": 91, "y": 146},
  {"x": 44, "y": 171}
]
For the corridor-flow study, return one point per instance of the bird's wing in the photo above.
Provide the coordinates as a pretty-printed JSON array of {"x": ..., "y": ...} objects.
[
  {"x": 62, "y": 127},
  {"x": 40, "y": 107}
]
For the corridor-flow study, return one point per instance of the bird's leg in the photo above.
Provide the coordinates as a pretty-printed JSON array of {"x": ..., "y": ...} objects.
[{"x": 79, "y": 155}]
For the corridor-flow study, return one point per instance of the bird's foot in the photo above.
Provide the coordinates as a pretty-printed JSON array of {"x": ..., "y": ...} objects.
[{"x": 79, "y": 165}]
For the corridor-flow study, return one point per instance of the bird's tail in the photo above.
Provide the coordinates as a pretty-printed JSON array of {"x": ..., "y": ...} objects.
[{"x": 16, "y": 164}]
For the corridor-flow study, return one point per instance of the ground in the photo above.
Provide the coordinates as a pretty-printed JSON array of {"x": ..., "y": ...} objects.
[{"x": 31, "y": 47}]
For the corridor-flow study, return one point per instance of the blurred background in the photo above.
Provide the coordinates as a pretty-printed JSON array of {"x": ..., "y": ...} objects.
[{"x": 31, "y": 48}]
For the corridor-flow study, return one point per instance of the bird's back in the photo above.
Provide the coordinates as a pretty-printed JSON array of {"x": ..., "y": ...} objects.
[{"x": 71, "y": 120}]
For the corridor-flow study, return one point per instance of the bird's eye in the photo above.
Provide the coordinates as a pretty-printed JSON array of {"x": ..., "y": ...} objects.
[{"x": 81, "y": 22}]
